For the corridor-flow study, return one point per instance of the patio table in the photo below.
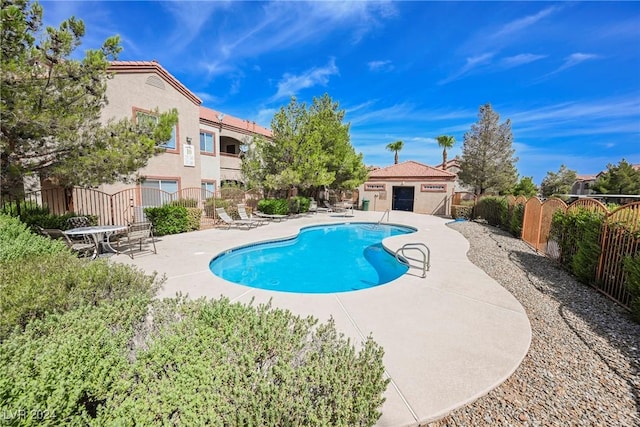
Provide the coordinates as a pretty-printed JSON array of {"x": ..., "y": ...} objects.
[{"x": 99, "y": 234}]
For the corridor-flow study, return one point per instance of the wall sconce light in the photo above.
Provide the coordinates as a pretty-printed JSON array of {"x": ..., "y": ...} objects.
[{"x": 188, "y": 140}]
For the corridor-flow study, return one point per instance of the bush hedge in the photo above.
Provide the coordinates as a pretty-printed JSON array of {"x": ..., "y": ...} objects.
[
  {"x": 34, "y": 287},
  {"x": 18, "y": 242},
  {"x": 578, "y": 233},
  {"x": 274, "y": 206},
  {"x": 191, "y": 363},
  {"x": 459, "y": 211},
  {"x": 632, "y": 271},
  {"x": 168, "y": 219}
]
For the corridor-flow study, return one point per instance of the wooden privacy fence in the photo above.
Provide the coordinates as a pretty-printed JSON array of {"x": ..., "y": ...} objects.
[
  {"x": 620, "y": 238},
  {"x": 128, "y": 205}
]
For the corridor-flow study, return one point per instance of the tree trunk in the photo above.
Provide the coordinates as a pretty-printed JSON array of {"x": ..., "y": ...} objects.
[
  {"x": 444, "y": 159},
  {"x": 396, "y": 158}
]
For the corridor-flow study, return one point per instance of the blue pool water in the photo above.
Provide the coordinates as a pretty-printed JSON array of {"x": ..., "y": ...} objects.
[{"x": 321, "y": 259}]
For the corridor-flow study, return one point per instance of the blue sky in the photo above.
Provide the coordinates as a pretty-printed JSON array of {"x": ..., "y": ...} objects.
[{"x": 566, "y": 74}]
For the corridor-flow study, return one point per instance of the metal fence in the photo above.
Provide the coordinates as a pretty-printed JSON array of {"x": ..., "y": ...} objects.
[
  {"x": 620, "y": 238},
  {"x": 128, "y": 205}
]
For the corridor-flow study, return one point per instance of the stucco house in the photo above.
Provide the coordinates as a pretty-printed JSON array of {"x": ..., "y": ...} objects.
[
  {"x": 206, "y": 145},
  {"x": 409, "y": 186}
]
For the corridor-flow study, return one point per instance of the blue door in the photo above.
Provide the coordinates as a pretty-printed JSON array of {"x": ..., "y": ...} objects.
[{"x": 403, "y": 199}]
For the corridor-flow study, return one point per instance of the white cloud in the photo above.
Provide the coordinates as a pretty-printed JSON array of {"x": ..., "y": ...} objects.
[
  {"x": 521, "y": 59},
  {"x": 521, "y": 24},
  {"x": 471, "y": 63},
  {"x": 570, "y": 62},
  {"x": 291, "y": 84},
  {"x": 382, "y": 66}
]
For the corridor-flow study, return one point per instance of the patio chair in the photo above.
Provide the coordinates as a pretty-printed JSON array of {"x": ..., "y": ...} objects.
[
  {"x": 83, "y": 247},
  {"x": 224, "y": 216},
  {"x": 242, "y": 211},
  {"x": 78, "y": 221},
  {"x": 313, "y": 207},
  {"x": 139, "y": 232}
]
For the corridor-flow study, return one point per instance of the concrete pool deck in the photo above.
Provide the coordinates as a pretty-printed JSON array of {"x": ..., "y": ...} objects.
[{"x": 448, "y": 338}]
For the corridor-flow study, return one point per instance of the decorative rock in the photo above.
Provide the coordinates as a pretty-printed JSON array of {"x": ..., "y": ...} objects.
[{"x": 583, "y": 366}]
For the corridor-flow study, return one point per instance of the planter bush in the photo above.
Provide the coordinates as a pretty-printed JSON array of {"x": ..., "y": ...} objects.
[
  {"x": 459, "y": 211},
  {"x": 18, "y": 242},
  {"x": 196, "y": 363},
  {"x": 274, "y": 206},
  {"x": 168, "y": 219},
  {"x": 37, "y": 286},
  {"x": 194, "y": 216},
  {"x": 632, "y": 272}
]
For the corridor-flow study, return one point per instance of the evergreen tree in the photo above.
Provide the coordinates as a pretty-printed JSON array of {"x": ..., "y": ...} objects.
[
  {"x": 310, "y": 149},
  {"x": 51, "y": 104},
  {"x": 525, "y": 187},
  {"x": 620, "y": 179},
  {"x": 487, "y": 162},
  {"x": 558, "y": 183}
]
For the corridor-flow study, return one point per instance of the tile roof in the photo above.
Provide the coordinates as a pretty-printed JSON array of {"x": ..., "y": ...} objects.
[
  {"x": 233, "y": 122},
  {"x": 153, "y": 66},
  {"x": 410, "y": 169}
]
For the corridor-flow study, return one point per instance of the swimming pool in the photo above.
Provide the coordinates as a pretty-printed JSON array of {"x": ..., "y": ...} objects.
[{"x": 321, "y": 259}]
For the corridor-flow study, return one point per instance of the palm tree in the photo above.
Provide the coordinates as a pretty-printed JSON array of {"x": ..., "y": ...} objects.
[
  {"x": 445, "y": 141},
  {"x": 395, "y": 146}
]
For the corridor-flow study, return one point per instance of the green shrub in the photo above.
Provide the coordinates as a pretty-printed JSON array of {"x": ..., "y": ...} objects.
[
  {"x": 195, "y": 363},
  {"x": 187, "y": 203},
  {"x": 299, "y": 204},
  {"x": 459, "y": 211},
  {"x": 578, "y": 234},
  {"x": 68, "y": 366},
  {"x": 515, "y": 222},
  {"x": 36, "y": 286},
  {"x": 168, "y": 219},
  {"x": 194, "y": 215},
  {"x": 632, "y": 272},
  {"x": 18, "y": 242},
  {"x": 493, "y": 209},
  {"x": 211, "y": 203},
  {"x": 274, "y": 206}
]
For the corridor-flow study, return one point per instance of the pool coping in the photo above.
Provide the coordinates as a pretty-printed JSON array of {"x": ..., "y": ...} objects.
[{"x": 448, "y": 338}]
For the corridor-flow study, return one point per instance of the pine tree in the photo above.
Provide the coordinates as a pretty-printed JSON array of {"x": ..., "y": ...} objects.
[
  {"x": 620, "y": 179},
  {"x": 487, "y": 162},
  {"x": 50, "y": 114}
]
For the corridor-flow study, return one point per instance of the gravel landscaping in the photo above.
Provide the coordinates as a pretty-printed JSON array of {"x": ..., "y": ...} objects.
[{"x": 583, "y": 366}]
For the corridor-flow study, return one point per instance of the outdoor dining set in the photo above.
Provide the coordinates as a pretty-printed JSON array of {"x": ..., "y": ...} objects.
[{"x": 94, "y": 240}]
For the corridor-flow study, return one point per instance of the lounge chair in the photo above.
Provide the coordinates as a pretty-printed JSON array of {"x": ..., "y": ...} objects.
[
  {"x": 326, "y": 208},
  {"x": 271, "y": 217},
  {"x": 242, "y": 211},
  {"x": 84, "y": 247},
  {"x": 224, "y": 216}
]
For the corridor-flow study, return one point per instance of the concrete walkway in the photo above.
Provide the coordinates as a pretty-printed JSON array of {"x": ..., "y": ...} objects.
[{"x": 448, "y": 339}]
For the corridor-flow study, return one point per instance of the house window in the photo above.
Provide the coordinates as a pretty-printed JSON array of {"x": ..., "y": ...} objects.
[
  {"x": 158, "y": 192},
  {"x": 142, "y": 116},
  {"x": 208, "y": 189},
  {"x": 374, "y": 187},
  {"x": 433, "y": 188},
  {"x": 206, "y": 143}
]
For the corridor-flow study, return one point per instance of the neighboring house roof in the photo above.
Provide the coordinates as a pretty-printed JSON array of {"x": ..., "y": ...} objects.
[
  {"x": 586, "y": 177},
  {"x": 122, "y": 67},
  {"x": 410, "y": 169},
  {"x": 230, "y": 122},
  {"x": 453, "y": 163}
]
